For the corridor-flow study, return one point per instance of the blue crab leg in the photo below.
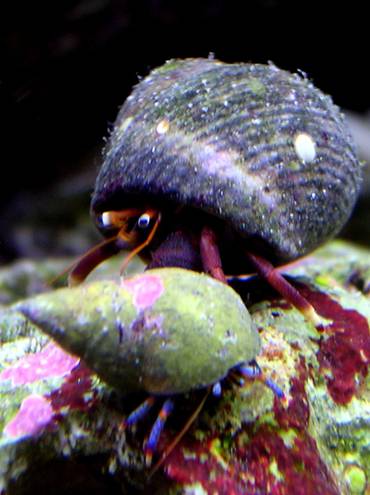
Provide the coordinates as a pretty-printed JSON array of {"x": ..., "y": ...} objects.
[
  {"x": 156, "y": 430},
  {"x": 140, "y": 412},
  {"x": 184, "y": 430},
  {"x": 217, "y": 389},
  {"x": 254, "y": 372}
]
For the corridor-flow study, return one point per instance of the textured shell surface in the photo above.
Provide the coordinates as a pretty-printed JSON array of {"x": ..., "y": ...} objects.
[
  {"x": 254, "y": 145},
  {"x": 165, "y": 331}
]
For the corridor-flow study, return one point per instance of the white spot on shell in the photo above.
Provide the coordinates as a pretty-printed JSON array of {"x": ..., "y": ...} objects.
[
  {"x": 163, "y": 126},
  {"x": 305, "y": 147}
]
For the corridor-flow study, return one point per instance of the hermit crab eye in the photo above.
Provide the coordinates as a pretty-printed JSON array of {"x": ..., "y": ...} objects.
[
  {"x": 106, "y": 219},
  {"x": 143, "y": 221}
]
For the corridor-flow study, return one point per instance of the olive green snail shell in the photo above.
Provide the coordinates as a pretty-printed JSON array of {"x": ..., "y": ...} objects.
[
  {"x": 164, "y": 331},
  {"x": 258, "y": 147}
]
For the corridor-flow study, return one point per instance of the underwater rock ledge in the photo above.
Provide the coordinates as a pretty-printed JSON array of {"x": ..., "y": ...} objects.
[{"x": 57, "y": 415}]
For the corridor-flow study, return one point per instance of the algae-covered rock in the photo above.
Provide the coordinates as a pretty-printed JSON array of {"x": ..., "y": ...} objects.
[
  {"x": 25, "y": 278},
  {"x": 315, "y": 440}
]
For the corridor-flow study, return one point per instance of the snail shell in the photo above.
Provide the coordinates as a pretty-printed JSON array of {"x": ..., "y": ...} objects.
[
  {"x": 163, "y": 332},
  {"x": 259, "y": 148}
]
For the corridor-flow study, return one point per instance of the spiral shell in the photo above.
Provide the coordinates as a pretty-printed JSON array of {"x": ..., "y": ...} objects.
[
  {"x": 258, "y": 147},
  {"x": 163, "y": 332}
]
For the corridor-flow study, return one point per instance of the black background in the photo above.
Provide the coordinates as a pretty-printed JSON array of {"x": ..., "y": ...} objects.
[{"x": 66, "y": 66}]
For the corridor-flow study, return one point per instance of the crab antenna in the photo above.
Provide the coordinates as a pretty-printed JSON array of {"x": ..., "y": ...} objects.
[
  {"x": 92, "y": 258},
  {"x": 141, "y": 246}
]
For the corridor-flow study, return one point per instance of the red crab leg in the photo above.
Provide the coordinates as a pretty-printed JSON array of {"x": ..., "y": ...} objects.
[
  {"x": 275, "y": 279},
  {"x": 211, "y": 260},
  {"x": 210, "y": 254}
]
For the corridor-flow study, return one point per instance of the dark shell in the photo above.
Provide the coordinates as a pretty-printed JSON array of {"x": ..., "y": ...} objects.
[{"x": 224, "y": 138}]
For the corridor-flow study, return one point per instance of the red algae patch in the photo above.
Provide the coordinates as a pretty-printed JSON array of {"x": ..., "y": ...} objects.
[
  {"x": 195, "y": 463},
  {"x": 261, "y": 461},
  {"x": 279, "y": 469},
  {"x": 75, "y": 392},
  {"x": 146, "y": 289},
  {"x": 345, "y": 347},
  {"x": 297, "y": 414}
]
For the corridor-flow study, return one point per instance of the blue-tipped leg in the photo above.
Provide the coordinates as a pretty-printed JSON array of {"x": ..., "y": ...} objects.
[
  {"x": 217, "y": 389},
  {"x": 139, "y": 412},
  {"x": 156, "y": 430},
  {"x": 253, "y": 372},
  {"x": 274, "y": 387}
]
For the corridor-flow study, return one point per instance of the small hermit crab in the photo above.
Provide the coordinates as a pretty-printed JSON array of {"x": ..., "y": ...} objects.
[
  {"x": 165, "y": 332},
  {"x": 246, "y": 165}
]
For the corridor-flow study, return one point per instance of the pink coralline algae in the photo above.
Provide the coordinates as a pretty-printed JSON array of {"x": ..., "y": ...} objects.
[
  {"x": 33, "y": 416},
  {"x": 37, "y": 412},
  {"x": 50, "y": 362},
  {"x": 145, "y": 289}
]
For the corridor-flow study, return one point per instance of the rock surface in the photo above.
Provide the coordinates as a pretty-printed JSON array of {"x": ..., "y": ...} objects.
[{"x": 58, "y": 417}]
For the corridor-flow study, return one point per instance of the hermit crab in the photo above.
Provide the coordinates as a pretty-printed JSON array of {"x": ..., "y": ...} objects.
[
  {"x": 246, "y": 165},
  {"x": 165, "y": 332}
]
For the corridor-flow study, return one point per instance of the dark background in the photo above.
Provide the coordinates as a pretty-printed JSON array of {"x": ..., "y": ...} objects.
[{"x": 66, "y": 67}]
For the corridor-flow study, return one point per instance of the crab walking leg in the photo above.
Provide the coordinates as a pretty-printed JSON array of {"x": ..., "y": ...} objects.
[
  {"x": 210, "y": 254},
  {"x": 253, "y": 372},
  {"x": 140, "y": 412},
  {"x": 156, "y": 431},
  {"x": 180, "y": 435},
  {"x": 268, "y": 272}
]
